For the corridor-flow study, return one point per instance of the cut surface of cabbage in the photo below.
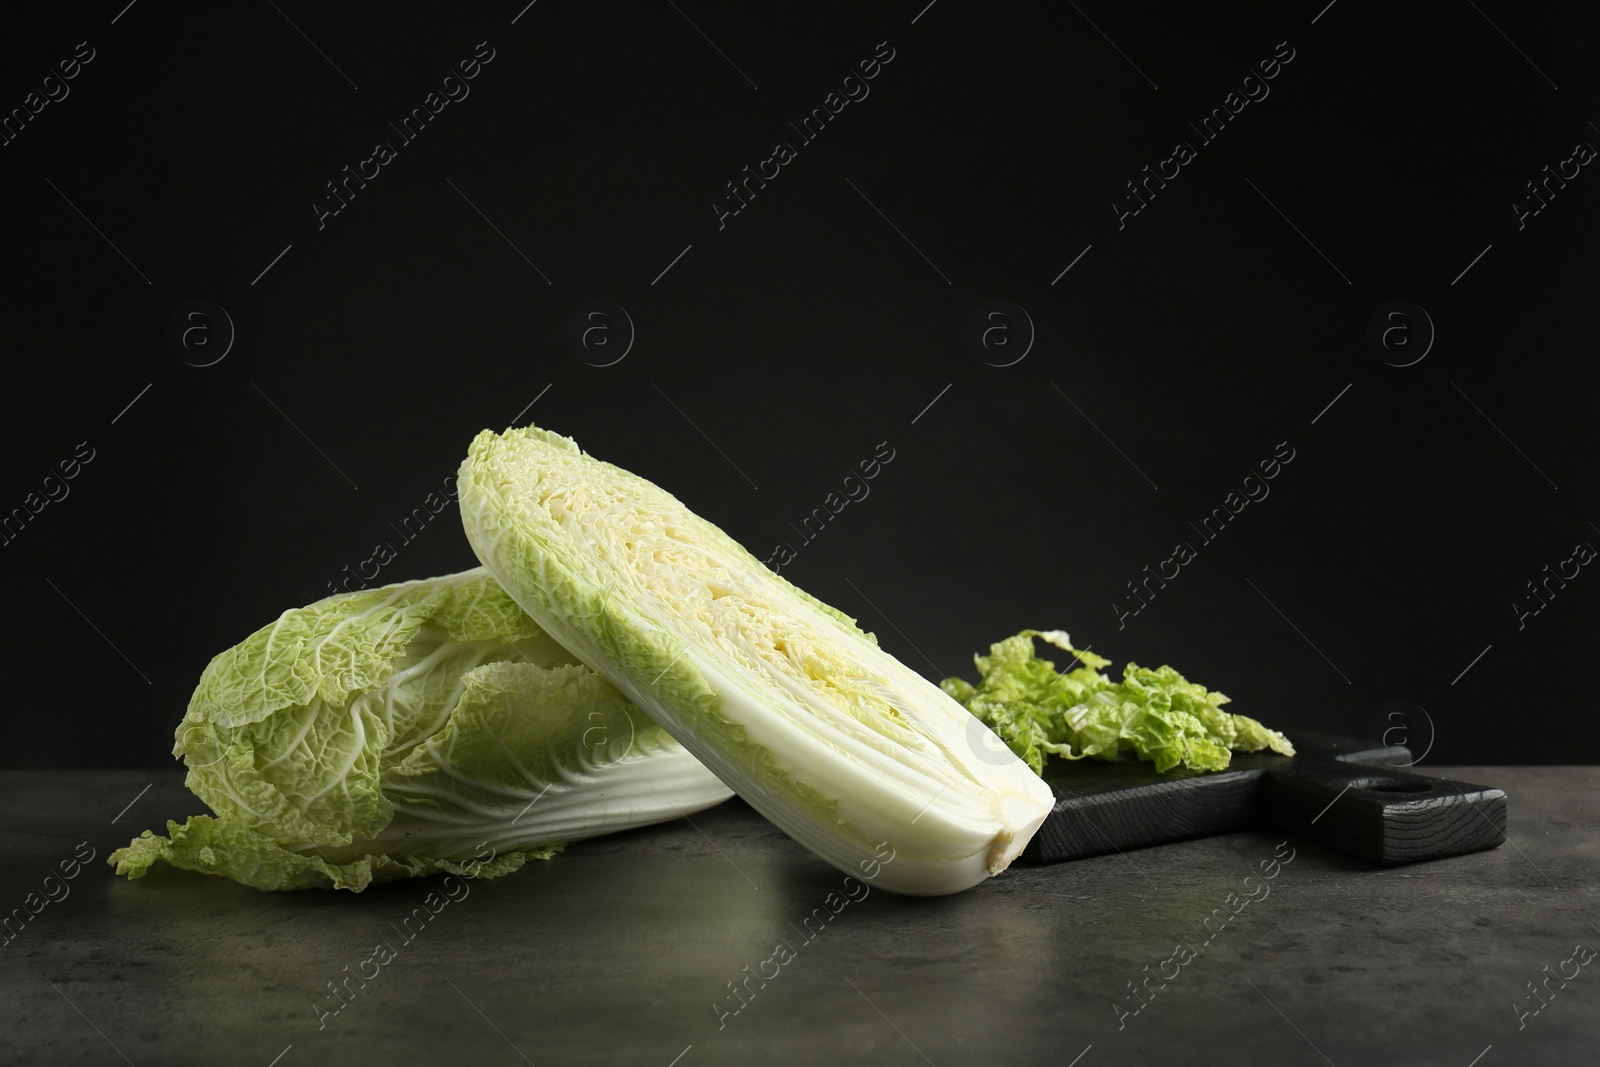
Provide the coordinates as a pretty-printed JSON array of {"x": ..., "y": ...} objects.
[{"x": 784, "y": 697}]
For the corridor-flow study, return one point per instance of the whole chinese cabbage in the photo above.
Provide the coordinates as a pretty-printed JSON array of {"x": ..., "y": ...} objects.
[{"x": 419, "y": 727}]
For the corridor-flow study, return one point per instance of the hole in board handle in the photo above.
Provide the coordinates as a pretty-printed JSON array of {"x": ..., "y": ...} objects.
[{"x": 1391, "y": 785}]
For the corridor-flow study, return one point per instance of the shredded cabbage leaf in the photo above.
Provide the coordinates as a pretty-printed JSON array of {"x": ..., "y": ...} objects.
[{"x": 1156, "y": 715}]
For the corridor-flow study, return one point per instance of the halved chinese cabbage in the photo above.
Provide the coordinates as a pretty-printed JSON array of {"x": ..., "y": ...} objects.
[
  {"x": 419, "y": 727},
  {"x": 794, "y": 706}
]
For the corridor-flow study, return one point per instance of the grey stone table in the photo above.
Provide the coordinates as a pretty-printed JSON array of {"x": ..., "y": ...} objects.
[{"x": 625, "y": 950}]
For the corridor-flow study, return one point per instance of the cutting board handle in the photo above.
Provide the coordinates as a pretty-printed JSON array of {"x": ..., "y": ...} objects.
[{"x": 1379, "y": 814}]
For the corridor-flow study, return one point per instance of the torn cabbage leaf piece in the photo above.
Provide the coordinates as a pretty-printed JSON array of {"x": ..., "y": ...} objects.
[
  {"x": 827, "y": 735},
  {"x": 420, "y": 727},
  {"x": 1157, "y": 715}
]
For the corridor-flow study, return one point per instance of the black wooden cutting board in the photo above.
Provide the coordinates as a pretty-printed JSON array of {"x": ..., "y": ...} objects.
[{"x": 1354, "y": 796}]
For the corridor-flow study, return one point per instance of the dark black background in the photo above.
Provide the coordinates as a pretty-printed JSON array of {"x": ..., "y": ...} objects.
[{"x": 809, "y": 330}]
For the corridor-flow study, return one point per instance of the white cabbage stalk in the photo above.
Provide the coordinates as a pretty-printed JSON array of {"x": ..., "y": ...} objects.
[
  {"x": 793, "y": 705},
  {"x": 420, "y": 727}
]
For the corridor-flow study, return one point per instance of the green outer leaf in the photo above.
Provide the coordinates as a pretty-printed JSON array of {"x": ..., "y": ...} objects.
[
  {"x": 210, "y": 846},
  {"x": 346, "y": 644},
  {"x": 1157, "y": 715},
  {"x": 275, "y": 738}
]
